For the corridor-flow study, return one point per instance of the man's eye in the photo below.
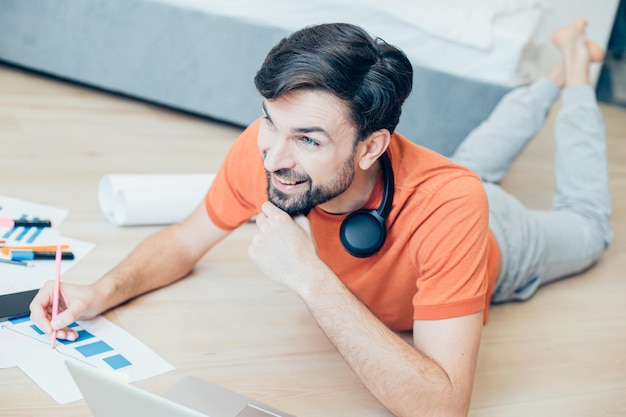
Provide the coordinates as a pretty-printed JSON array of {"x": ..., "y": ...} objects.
[
  {"x": 308, "y": 141},
  {"x": 268, "y": 121}
]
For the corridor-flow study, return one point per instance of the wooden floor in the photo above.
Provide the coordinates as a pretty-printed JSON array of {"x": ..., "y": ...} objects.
[{"x": 563, "y": 353}]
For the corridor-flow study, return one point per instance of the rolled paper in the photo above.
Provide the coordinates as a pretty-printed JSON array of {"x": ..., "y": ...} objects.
[{"x": 151, "y": 199}]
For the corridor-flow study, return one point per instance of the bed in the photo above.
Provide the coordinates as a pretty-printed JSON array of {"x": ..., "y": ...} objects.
[{"x": 200, "y": 56}]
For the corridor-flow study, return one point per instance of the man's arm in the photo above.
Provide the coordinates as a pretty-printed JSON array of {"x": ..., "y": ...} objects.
[
  {"x": 433, "y": 377},
  {"x": 160, "y": 260}
]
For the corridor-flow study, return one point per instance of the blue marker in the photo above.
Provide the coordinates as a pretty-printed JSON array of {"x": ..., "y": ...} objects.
[{"x": 30, "y": 255}]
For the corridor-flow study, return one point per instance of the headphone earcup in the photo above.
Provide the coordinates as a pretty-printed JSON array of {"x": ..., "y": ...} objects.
[{"x": 363, "y": 233}]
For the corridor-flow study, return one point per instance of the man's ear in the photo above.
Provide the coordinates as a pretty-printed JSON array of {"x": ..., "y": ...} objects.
[{"x": 372, "y": 148}]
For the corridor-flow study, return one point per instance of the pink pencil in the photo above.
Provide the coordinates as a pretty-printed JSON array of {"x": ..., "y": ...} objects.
[{"x": 57, "y": 290}]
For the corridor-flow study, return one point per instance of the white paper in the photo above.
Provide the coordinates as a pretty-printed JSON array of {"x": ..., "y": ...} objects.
[
  {"x": 14, "y": 208},
  {"x": 5, "y": 361},
  {"x": 16, "y": 278},
  {"x": 31, "y": 351},
  {"x": 151, "y": 199}
]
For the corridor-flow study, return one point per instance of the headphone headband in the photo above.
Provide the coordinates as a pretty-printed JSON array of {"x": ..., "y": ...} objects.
[
  {"x": 363, "y": 232},
  {"x": 385, "y": 204}
]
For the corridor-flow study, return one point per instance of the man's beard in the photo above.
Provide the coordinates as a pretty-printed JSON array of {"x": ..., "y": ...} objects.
[{"x": 315, "y": 195}]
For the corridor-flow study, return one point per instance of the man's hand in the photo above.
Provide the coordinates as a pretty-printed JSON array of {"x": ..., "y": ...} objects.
[
  {"x": 75, "y": 303},
  {"x": 283, "y": 247}
]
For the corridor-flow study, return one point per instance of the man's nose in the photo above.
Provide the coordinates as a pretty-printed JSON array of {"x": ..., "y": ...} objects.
[{"x": 278, "y": 156}]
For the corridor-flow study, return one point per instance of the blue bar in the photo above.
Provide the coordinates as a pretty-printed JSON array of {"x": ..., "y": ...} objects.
[
  {"x": 20, "y": 319},
  {"x": 37, "y": 329},
  {"x": 117, "y": 361},
  {"x": 25, "y": 231},
  {"x": 21, "y": 236},
  {"x": 35, "y": 235},
  {"x": 94, "y": 348}
]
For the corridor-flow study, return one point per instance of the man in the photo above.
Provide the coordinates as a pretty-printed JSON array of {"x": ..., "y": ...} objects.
[{"x": 325, "y": 150}]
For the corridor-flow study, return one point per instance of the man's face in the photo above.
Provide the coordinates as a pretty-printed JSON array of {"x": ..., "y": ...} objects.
[{"x": 307, "y": 143}]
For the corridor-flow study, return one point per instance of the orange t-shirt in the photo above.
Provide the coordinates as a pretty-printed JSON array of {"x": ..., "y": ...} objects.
[{"x": 439, "y": 259}]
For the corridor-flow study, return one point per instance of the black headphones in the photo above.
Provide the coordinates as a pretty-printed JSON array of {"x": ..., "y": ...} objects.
[{"x": 363, "y": 232}]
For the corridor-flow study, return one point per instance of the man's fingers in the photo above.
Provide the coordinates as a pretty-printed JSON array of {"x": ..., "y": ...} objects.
[
  {"x": 60, "y": 323},
  {"x": 40, "y": 313},
  {"x": 39, "y": 307},
  {"x": 67, "y": 334},
  {"x": 62, "y": 320},
  {"x": 304, "y": 223},
  {"x": 268, "y": 208}
]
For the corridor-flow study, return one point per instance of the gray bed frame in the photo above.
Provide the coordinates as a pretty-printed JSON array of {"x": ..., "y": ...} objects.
[{"x": 201, "y": 63}]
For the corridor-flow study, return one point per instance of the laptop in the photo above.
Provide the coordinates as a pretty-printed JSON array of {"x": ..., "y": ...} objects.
[{"x": 191, "y": 397}]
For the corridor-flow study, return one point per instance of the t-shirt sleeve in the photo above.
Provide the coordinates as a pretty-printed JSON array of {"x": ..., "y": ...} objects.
[
  {"x": 240, "y": 186},
  {"x": 451, "y": 247}
]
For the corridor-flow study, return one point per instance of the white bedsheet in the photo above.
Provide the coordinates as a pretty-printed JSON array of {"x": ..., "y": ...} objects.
[
  {"x": 471, "y": 23},
  {"x": 488, "y": 40}
]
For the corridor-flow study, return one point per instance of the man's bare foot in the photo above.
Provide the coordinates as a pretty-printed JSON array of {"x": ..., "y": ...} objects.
[
  {"x": 567, "y": 35},
  {"x": 578, "y": 52},
  {"x": 596, "y": 53}
]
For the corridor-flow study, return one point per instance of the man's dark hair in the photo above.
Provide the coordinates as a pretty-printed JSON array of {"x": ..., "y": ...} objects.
[{"x": 373, "y": 77}]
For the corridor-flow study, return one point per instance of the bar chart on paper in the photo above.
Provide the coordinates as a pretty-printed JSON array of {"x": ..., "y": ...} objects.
[
  {"x": 23, "y": 276},
  {"x": 87, "y": 348},
  {"x": 20, "y": 234},
  {"x": 100, "y": 344},
  {"x": 24, "y": 210}
]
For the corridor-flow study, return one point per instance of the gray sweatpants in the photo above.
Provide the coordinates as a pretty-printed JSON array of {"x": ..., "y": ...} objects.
[{"x": 540, "y": 246}]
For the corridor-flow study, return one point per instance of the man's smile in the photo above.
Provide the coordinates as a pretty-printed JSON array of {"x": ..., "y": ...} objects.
[{"x": 287, "y": 183}]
